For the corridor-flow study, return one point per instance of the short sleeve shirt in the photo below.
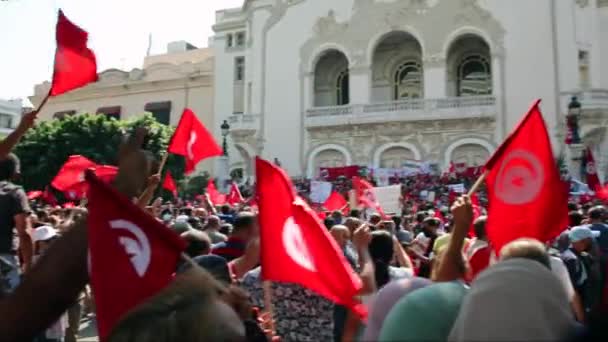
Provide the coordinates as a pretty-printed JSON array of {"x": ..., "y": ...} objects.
[{"x": 13, "y": 201}]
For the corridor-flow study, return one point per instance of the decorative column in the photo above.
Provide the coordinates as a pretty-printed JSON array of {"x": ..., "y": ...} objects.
[
  {"x": 435, "y": 71},
  {"x": 360, "y": 84}
]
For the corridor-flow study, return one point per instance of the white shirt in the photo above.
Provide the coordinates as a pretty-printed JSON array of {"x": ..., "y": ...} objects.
[{"x": 559, "y": 269}]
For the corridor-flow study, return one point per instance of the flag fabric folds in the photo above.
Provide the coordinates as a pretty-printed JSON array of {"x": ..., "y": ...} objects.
[
  {"x": 75, "y": 63},
  {"x": 336, "y": 202},
  {"x": 366, "y": 197},
  {"x": 234, "y": 196},
  {"x": 169, "y": 184},
  {"x": 193, "y": 141},
  {"x": 71, "y": 177},
  {"x": 295, "y": 247},
  {"x": 215, "y": 196},
  {"x": 132, "y": 255},
  {"x": 527, "y": 197},
  {"x": 590, "y": 170}
]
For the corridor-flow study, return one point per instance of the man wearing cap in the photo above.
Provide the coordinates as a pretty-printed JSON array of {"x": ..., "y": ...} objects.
[
  {"x": 582, "y": 267},
  {"x": 14, "y": 218}
]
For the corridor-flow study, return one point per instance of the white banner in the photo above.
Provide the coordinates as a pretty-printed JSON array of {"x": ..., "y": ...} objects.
[
  {"x": 319, "y": 191},
  {"x": 457, "y": 188},
  {"x": 388, "y": 197}
]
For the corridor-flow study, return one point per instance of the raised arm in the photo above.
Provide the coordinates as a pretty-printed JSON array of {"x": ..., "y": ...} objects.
[{"x": 7, "y": 145}]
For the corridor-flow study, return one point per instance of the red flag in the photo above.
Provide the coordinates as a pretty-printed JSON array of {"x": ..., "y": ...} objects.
[
  {"x": 295, "y": 247},
  {"x": 234, "y": 197},
  {"x": 32, "y": 195},
  {"x": 192, "y": 140},
  {"x": 590, "y": 168},
  {"x": 215, "y": 196},
  {"x": 526, "y": 195},
  {"x": 132, "y": 255},
  {"x": 602, "y": 193},
  {"x": 72, "y": 172},
  {"x": 69, "y": 205},
  {"x": 439, "y": 215},
  {"x": 476, "y": 213},
  {"x": 75, "y": 64},
  {"x": 169, "y": 184},
  {"x": 335, "y": 201},
  {"x": 49, "y": 197},
  {"x": 366, "y": 197}
]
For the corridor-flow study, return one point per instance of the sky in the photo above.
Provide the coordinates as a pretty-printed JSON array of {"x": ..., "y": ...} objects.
[{"x": 118, "y": 33}]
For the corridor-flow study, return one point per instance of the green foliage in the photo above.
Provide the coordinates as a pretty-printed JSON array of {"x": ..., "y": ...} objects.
[{"x": 47, "y": 146}]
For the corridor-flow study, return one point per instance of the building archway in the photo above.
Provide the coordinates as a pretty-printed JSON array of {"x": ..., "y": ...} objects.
[
  {"x": 331, "y": 79},
  {"x": 472, "y": 151},
  {"x": 394, "y": 155},
  {"x": 329, "y": 155},
  {"x": 397, "y": 72},
  {"x": 469, "y": 67}
]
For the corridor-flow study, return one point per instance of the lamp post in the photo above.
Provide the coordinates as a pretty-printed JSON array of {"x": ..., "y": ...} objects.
[
  {"x": 225, "y": 131},
  {"x": 573, "y": 140}
]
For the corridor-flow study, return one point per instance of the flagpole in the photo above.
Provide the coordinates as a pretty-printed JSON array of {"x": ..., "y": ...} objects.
[
  {"x": 478, "y": 183},
  {"x": 162, "y": 163},
  {"x": 46, "y": 98},
  {"x": 267, "y": 285}
]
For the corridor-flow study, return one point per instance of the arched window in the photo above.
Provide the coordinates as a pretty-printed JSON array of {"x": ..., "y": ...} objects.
[
  {"x": 408, "y": 81},
  {"x": 342, "y": 88},
  {"x": 474, "y": 76}
]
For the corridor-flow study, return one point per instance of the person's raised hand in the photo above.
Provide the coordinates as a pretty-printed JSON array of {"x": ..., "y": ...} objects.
[
  {"x": 154, "y": 180},
  {"x": 134, "y": 165},
  {"x": 462, "y": 210},
  {"x": 362, "y": 237},
  {"x": 28, "y": 120}
]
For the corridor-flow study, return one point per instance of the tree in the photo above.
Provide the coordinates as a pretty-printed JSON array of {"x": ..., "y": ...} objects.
[{"x": 47, "y": 146}]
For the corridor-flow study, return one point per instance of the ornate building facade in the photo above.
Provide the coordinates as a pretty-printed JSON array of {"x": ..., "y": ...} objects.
[{"x": 376, "y": 82}]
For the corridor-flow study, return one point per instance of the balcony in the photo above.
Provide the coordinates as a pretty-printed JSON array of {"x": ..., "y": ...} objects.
[
  {"x": 405, "y": 110},
  {"x": 592, "y": 99},
  {"x": 244, "y": 122}
]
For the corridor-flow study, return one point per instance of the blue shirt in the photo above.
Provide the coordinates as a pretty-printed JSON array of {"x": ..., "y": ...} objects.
[{"x": 602, "y": 240}]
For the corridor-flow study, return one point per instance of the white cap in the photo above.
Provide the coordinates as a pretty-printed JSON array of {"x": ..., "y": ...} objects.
[
  {"x": 44, "y": 233},
  {"x": 182, "y": 218}
]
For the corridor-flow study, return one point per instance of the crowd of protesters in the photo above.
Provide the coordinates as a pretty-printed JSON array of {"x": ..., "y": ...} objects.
[{"x": 426, "y": 274}]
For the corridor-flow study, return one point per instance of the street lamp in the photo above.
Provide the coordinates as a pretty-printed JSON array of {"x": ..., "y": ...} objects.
[
  {"x": 225, "y": 130},
  {"x": 573, "y": 117}
]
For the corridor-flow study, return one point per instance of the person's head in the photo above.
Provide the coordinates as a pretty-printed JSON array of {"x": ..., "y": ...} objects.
[
  {"x": 10, "y": 167},
  {"x": 430, "y": 225},
  {"x": 575, "y": 218},
  {"x": 479, "y": 226},
  {"x": 328, "y": 222},
  {"x": 195, "y": 222},
  {"x": 356, "y": 213},
  {"x": 597, "y": 214},
  {"x": 191, "y": 308},
  {"x": 43, "y": 237},
  {"x": 341, "y": 234},
  {"x": 201, "y": 213},
  {"x": 213, "y": 222},
  {"x": 420, "y": 216},
  {"x": 581, "y": 238},
  {"x": 397, "y": 221},
  {"x": 352, "y": 224},
  {"x": 528, "y": 249},
  {"x": 245, "y": 226},
  {"x": 381, "y": 251},
  {"x": 214, "y": 264},
  {"x": 336, "y": 215},
  {"x": 225, "y": 209},
  {"x": 226, "y": 229},
  {"x": 375, "y": 219},
  {"x": 572, "y": 206},
  {"x": 181, "y": 227},
  {"x": 198, "y": 242}
]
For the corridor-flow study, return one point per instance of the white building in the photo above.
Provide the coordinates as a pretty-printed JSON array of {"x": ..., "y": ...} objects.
[
  {"x": 10, "y": 115},
  {"x": 166, "y": 84},
  {"x": 376, "y": 82}
]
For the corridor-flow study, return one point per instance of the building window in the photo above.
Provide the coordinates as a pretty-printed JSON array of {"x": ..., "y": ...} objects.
[
  {"x": 161, "y": 111},
  {"x": 64, "y": 114},
  {"x": 112, "y": 112},
  {"x": 342, "y": 88},
  {"x": 239, "y": 69},
  {"x": 229, "y": 41},
  {"x": 583, "y": 69},
  {"x": 6, "y": 121},
  {"x": 408, "y": 81},
  {"x": 474, "y": 76},
  {"x": 240, "y": 39}
]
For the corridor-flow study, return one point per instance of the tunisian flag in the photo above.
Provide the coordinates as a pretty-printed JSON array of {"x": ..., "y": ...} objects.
[
  {"x": 526, "y": 194},
  {"x": 169, "y": 184},
  {"x": 590, "y": 170},
  {"x": 72, "y": 172},
  {"x": 366, "y": 197},
  {"x": 295, "y": 247},
  {"x": 335, "y": 201},
  {"x": 234, "y": 196},
  {"x": 215, "y": 196},
  {"x": 193, "y": 141},
  {"x": 75, "y": 64},
  {"x": 132, "y": 256}
]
